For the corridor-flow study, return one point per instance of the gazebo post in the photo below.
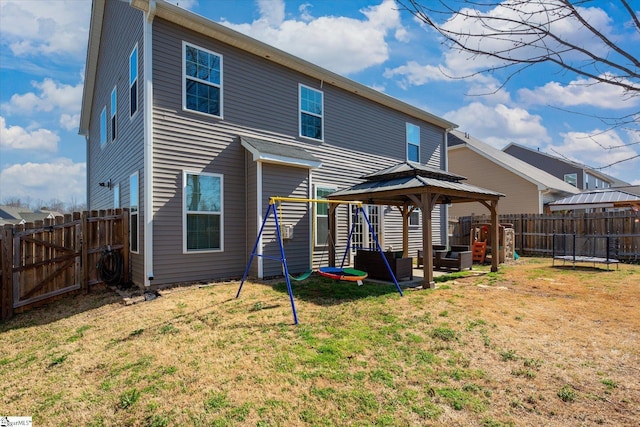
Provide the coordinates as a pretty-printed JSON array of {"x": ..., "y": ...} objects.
[
  {"x": 405, "y": 229},
  {"x": 427, "y": 248}
]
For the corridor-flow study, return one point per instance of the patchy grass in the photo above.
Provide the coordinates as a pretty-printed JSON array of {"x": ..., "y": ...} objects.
[{"x": 530, "y": 345}]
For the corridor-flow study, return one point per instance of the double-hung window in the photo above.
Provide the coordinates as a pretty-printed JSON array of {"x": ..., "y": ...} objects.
[
  {"x": 414, "y": 217},
  {"x": 202, "y": 70},
  {"x": 413, "y": 143},
  {"x": 134, "y": 212},
  {"x": 203, "y": 221},
  {"x": 103, "y": 126},
  {"x": 571, "y": 178},
  {"x": 322, "y": 215},
  {"x": 311, "y": 113},
  {"x": 133, "y": 81},
  {"x": 114, "y": 112}
]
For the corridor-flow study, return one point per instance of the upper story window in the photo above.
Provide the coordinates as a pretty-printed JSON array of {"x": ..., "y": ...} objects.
[
  {"x": 203, "y": 200},
  {"x": 571, "y": 178},
  {"x": 413, "y": 142},
  {"x": 114, "y": 112},
  {"x": 103, "y": 126},
  {"x": 133, "y": 81},
  {"x": 202, "y": 91},
  {"x": 311, "y": 113}
]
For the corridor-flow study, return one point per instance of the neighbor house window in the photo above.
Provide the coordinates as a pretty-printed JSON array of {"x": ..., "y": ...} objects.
[
  {"x": 114, "y": 112},
  {"x": 571, "y": 178},
  {"x": 116, "y": 196},
  {"x": 133, "y": 81},
  {"x": 203, "y": 199},
  {"x": 134, "y": 212},
  {"x": 413, "y": 143},
  {"x": 414, "y": 217},
  {"x": 311, "y": 113},
  {"x": 103, "y": 126},
  {"x": 322, "y": 215},
  {"x": 202, "y": 91}
]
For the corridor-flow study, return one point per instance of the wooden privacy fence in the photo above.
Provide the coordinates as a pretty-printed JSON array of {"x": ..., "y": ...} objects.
[
  {"x": 534, "y": 233},
  {"x": 43, "y": 260}
]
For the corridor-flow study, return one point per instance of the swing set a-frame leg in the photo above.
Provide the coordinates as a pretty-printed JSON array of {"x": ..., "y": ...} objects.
[{"x": 282, "y": 258}]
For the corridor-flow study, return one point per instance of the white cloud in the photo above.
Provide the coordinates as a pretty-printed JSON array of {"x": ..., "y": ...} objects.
[
  {"x": 70, "y": 122},
  {"x": 580, "y": 92},
  {"x": 499, "y": 125},
  {"x": 33, "y": 28},
  {"x": 344, "y": 45},
  {"x": 18, "y": 138},
  {"x": 50, "y": 95},
  {"x": 60, "y": 179},
  {"x": 520, "y": 45},
  {"x": 599, "y": 148},
  {"x": 414, "y": 74}
]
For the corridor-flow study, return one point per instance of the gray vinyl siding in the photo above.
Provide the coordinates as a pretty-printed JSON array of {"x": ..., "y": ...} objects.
[
  {"x": 286, "y": 181},
  {"x": 117, "y": 160},
  {"x": 259, "y": 98},
  {"x": 555, "y": 167},
  {"x": 252, "y": 219}
]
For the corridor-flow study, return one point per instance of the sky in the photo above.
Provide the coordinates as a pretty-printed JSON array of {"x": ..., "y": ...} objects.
[{"x": 43, "y": 51}]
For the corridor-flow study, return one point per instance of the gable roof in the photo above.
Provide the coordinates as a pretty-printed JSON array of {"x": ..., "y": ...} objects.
[
  {"x": 543, "y": 180},
  {"x": 603, "y": 176},
  {"x": 195, "y": 22}
]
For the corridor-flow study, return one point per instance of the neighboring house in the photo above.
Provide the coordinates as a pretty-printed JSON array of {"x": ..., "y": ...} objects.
[
  {"x": 13, "y": 215},
  {"x": 527, "y": 189},
  {"x": 193, "y": 126},
  {"x": 576, "y": 174}
]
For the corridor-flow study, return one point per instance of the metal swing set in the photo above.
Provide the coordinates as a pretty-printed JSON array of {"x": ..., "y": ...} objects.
[{"x": 336, "y": 273}]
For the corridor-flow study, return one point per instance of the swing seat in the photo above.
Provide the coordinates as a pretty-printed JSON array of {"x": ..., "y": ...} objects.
[
  {"x": 347, "y": 274},
  {"x": 302, "y": 277}
]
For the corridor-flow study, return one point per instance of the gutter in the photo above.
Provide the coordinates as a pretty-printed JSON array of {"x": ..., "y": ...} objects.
[{"x": 148, "y": 141}]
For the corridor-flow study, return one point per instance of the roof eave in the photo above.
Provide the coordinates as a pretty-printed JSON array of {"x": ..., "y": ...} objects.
[
  {"x": 236, "y": 39},
  {"x": 91, "y": 65}
]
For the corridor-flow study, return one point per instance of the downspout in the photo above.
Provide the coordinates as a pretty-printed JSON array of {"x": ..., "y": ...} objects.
[{"x": 148, "y": 142}]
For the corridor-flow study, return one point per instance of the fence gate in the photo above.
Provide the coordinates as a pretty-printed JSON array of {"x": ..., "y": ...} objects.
[
  {"x": 46, "y": 261},
  {"x": 42, "y": 260}
]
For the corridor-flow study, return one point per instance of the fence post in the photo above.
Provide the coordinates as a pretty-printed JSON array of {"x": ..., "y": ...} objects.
[
  {"x": 85, "y": 247},
  {"x": 6, "y": 296}
]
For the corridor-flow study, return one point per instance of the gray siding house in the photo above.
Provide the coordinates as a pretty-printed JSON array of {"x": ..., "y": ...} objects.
[
  {"x": 576, "y": 174},
  {"x": 194, "y": 126}
]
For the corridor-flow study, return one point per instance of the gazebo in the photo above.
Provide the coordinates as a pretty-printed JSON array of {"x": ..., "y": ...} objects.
[{"x": 408, "y": 186}]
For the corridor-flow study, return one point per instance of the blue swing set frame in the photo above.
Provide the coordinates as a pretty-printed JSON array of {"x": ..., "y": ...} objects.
[{"x": 283, "y": 259}]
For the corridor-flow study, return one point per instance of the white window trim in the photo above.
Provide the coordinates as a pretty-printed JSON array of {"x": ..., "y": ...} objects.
[
  {"x": 300, "y": 111},
  {"x": 184, "y": 80},
  {"x": 137, "y": 213},
  {"x": 104, "y": 135},
  {"x": 415, "y": 211},
  {"x": 575, "y": 175},
  {"x": 407, "y": 142},
  {"x": 184, "y": 213},
  {"x": 116, "y": 196},
  {"x": 136, "y": 81},
  {"x": 114, "y": 114},
  {"x": 317, "y": 187}
]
